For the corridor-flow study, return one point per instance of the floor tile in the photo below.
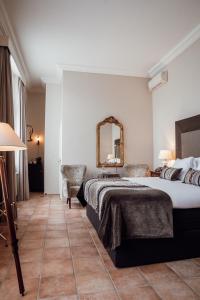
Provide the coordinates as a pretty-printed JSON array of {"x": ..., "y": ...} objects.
[
  {"x": 56, "y": 234},
  {"x": 56, "y": 227},
  {"x": 175, "y": 291},
  {"x": 194, "y": 283},
  {"x": 96, "y": 282},
  {"x": 185, "y": 268},
  {"x": 56, "y": 267},
  {"x": 111, "y": 295},
  {"x": 72, "y": 220},
  {"x": 69, "y": 297},
  {"x": 57, "y": 253},
  {"x": 57, "y": 286},
  {"x": 32, "y": 244},
  {"x": 139, "y": 293},
  {"x": 31, "y": 255},
  {"x": 86, "y": 251},
  {"x": 76, "y": 225},
  {"x": 108, "y": 262},
  {"x": 81, "y": 241},
  {"x": 38, "y": 227},
  {"x": 34, "y": 235},
  {"x": 86, "y": 265},
  {"x": 29, "y": 270},
  {"x": 10, "y": 290},
  {"x": 158, "y": 272},
  {"x": 3, "y": 270},
  {"x": 127, "y": 278},
  {"x": 56, "y": 242}
]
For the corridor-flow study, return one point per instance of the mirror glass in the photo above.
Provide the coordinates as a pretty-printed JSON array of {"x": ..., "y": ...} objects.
[
  {"x": 190, "y": 142},
  {"x": 109, "y": 143}
]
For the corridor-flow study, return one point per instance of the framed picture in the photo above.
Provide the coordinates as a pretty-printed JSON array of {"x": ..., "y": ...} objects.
[{"x": 29, "y": 133}]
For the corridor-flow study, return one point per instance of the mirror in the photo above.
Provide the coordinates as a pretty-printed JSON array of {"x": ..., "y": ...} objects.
[{"x": 110, "y": 144}]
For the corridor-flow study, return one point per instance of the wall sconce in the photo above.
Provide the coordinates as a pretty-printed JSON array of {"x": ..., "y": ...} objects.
[{"x": 38, "y": 140}]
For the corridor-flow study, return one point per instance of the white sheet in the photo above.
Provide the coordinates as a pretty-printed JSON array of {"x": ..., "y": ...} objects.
[{"x": 182, "y": 195}]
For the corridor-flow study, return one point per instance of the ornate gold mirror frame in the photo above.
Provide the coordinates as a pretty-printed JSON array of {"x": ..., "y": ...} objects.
[{"x": 110, "y": 120}]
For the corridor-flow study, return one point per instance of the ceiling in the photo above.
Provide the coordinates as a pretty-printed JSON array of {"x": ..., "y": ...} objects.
[{"x": 110, "y": 36}]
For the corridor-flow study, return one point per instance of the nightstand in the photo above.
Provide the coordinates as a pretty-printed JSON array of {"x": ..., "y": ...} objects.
[
  {"x": 36, "y": 177},
  {"x": 108, "y": 175},
  {"x": 154, "y": 174}
]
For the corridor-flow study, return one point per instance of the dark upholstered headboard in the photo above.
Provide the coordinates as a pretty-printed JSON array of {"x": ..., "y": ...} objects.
[{"x": 188, "y": 130}]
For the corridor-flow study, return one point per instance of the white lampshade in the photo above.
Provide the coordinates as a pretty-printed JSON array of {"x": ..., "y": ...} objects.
[
  {"x": 165, "y": 154},
  {"x": 9, "y": 141}
]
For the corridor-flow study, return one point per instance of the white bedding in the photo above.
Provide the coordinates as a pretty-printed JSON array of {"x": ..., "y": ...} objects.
[{"x": 182, "y": 195}]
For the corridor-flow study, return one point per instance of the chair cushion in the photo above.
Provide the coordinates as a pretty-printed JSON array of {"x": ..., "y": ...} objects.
[{"x": 74, "y": 190}]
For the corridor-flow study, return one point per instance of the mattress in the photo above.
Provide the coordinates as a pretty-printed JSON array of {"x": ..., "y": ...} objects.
[{"x": 183, "y": 195}]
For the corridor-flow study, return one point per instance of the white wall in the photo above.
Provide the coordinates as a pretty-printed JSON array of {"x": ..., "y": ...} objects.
[
  {"x": 178, "y": 99},
  {"x": 52, "y": 138},
  {"x": 35, "y": 109},
  {"x": 88, "y": 99}
]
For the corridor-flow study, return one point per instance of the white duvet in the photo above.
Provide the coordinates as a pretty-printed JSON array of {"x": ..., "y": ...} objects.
[{"x": 182, "y": 195}]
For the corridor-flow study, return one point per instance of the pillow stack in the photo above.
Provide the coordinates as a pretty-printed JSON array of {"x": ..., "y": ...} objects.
[
  {"x": 187, "y": 170},
  {"x": 190, "y": 172},
  {"x": 192, "y": 177},
  {"x": 170, "y": 173},
  {"x": 185, "y": 164}
]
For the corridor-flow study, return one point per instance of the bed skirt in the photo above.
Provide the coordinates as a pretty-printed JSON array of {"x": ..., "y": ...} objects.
[{"x": 185, "y": 243}]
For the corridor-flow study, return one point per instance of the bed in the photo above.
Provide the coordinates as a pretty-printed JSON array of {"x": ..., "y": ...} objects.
[{"x": 185, "y": 200}]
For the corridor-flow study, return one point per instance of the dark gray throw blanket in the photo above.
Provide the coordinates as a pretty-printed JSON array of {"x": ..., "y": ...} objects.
[{"x": 130, "y": 211}]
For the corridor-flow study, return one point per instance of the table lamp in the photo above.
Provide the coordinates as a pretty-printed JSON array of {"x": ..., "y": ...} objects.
[
  {"x": 9, "y": 141},
  {"x": 165, "y": 156}
]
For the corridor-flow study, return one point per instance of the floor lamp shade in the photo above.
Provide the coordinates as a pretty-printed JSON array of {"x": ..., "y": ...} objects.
[{"x": 9, "y": 141}]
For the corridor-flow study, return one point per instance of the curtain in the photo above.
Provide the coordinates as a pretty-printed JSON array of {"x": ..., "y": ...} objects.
[
  {"x": 6, "y": 115},
  {"x": 23, "y": 193}
]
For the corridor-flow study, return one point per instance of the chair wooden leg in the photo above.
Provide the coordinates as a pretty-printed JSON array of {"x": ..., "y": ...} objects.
[{"x": 69, "y": 202}]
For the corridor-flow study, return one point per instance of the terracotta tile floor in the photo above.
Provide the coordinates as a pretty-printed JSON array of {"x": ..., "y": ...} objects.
[{"x": 63, "y": 259}]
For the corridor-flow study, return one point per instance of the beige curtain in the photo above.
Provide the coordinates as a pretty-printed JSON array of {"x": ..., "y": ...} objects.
[
  {"x": 6, "y": 114},
  {"x": 23, "y": 193}
]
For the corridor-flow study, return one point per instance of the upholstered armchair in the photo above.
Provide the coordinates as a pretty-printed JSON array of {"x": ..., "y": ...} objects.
[
  {"x": 137, "y": 170},
  {"x": 72, "y": 178}
]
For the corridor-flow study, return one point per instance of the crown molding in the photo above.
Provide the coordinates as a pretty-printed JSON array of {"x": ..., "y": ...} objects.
[
  {"x": 185, "y": 43},
  {"x": 98, "y": 70},
  {"x": 14, "y": 47},
  {"x": 60, "y": 68}
]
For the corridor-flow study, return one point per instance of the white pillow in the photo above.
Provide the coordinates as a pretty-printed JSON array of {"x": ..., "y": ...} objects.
[
  {"x": 185, "y": 164},
  {"x": 196, "y": 163}
]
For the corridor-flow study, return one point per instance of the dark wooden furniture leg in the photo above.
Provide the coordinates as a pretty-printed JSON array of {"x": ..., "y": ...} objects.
[
  {"x": 69, "y": 202},
  {"x": 11, "y": 226}
]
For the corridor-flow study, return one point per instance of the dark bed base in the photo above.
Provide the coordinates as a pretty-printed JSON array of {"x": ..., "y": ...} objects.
[{"x": 136, "y": 252}]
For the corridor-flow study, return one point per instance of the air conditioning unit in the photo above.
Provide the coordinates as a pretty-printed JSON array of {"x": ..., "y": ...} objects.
[{"x": 158, "y": 80}]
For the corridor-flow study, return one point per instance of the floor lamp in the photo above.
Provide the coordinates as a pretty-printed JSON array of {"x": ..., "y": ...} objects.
[{"x": 9, "y": 141}]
